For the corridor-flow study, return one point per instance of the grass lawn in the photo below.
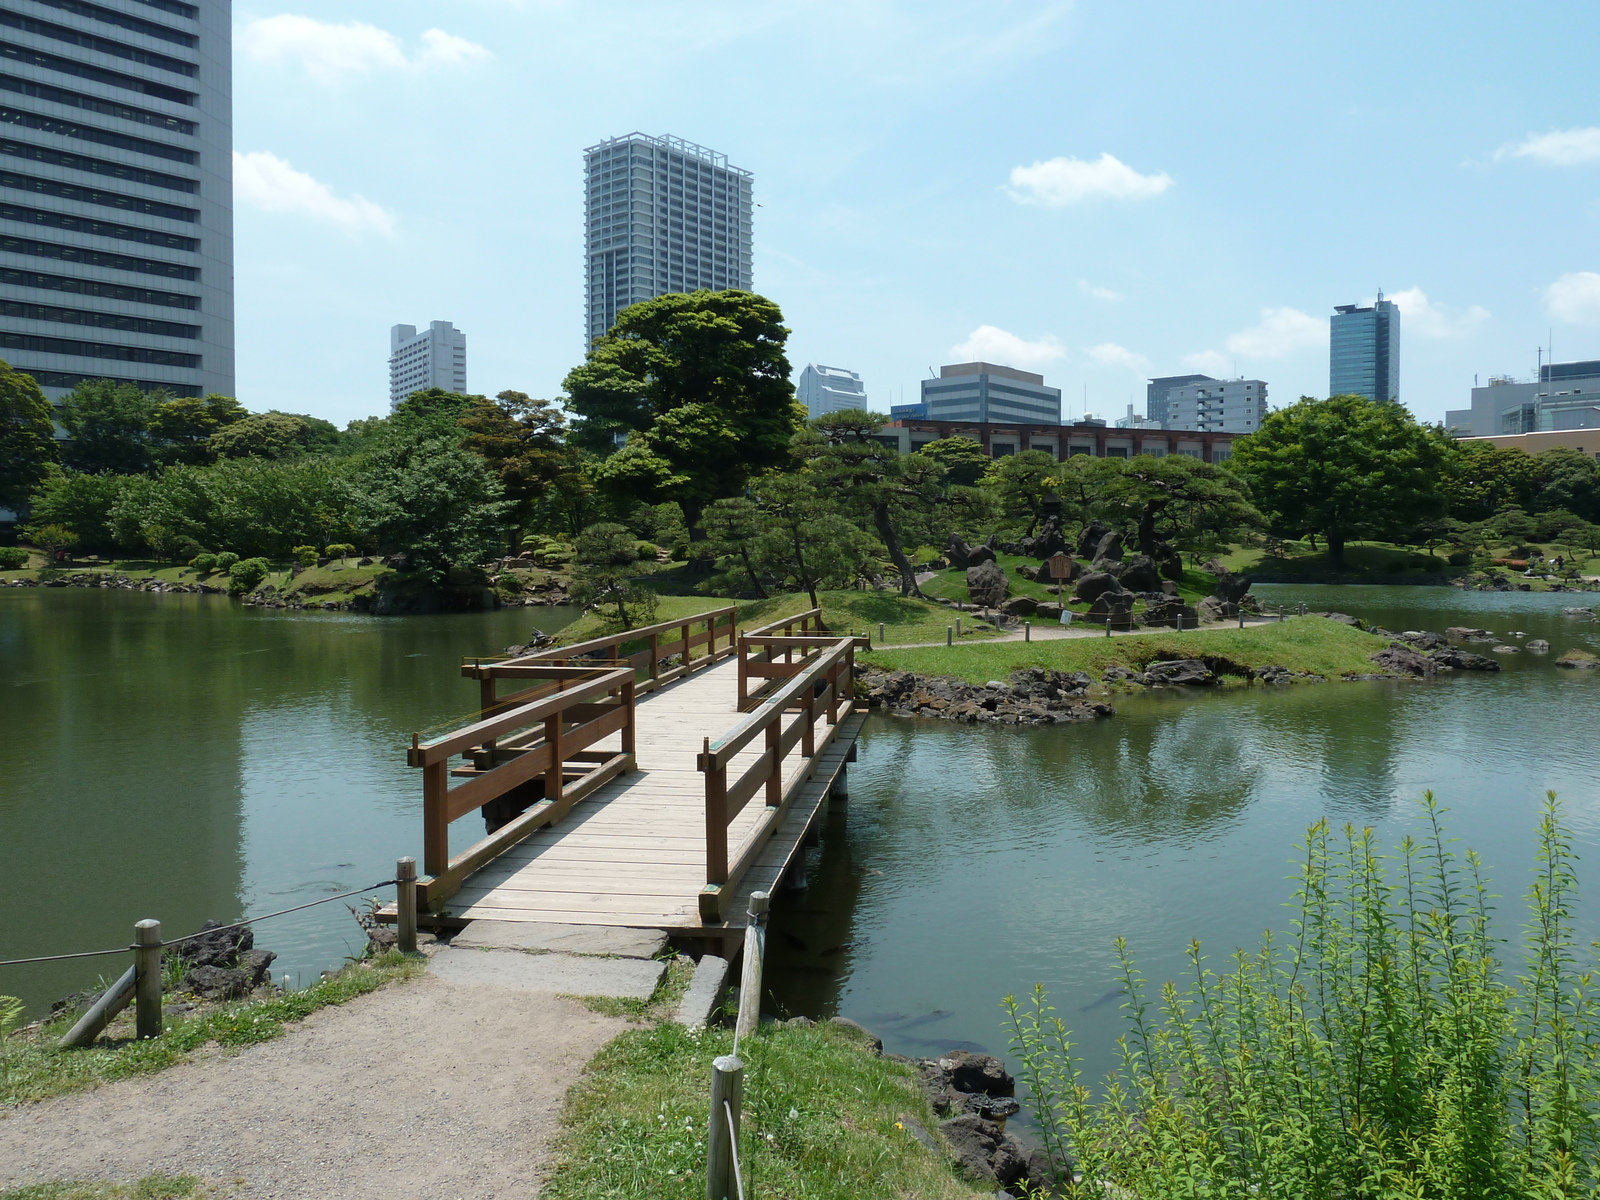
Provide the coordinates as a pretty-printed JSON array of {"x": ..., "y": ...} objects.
[
  {"x": 822, "y": 1120},
  {"x": 332, "y": 584},
  {"x": 33, "y": 1067},
  {"x": 1299, "y": 643},
  {"x": 151, "y": 1187}
]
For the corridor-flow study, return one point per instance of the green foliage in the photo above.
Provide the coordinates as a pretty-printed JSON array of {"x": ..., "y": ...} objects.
[
  {"x": 204, "y": 562},
  {"x": 52, "y": 538},
  {"x": 82, "y": 503},
  {"x": 339, "y": 550},
  {"x": 28, "y": 445},
  {"x": 605, "y": 573},
  {"x": 246, "y": 574},
  {"x": 962, "y": 458},
  {"x": 151, "y": 1187},
  {"x": 732, "y": 526},
  {"x": 307, "y": 555},
  {"x": 700, "y": 384},
  {"x": 1381, "y": 1048},
  {"x": 1346, "y": 467},
  {"x": 262, "y": 435},
  {"x": 181, "y": 428},
  {"x": 522, "y": 441},
  {"x": 805, "y": 539},
  {"x": 109, "y": 427},
  {"x": 226, "y": 560},
  {"x": 1023, "y": 484},
  {"x": 13, "y": 558}
]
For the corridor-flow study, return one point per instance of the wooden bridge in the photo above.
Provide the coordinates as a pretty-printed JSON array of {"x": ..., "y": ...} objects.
[{"x": 650, "y": 779}]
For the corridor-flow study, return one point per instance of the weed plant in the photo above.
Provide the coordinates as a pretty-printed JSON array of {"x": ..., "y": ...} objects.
[{"x": 1390, "y": 1046}]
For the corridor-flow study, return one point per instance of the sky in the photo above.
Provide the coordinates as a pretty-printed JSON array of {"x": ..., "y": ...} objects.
[{"x": 1100, "y": 192}]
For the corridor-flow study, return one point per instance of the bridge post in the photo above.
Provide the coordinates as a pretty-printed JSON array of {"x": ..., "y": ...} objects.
[
  {"x": 405, "y": 904},
  {"x": 655, "y": 656},
  {"x": 630, "y": 730}
]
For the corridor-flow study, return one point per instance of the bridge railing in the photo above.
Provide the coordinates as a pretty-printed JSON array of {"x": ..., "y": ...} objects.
[
  {"x": 768, "y": 652},
  {"x": 785, "y": 720},
  {"x": 529, "y": 749}
]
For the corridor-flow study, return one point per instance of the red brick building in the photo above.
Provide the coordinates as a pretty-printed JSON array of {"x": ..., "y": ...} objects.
[{"x": 1063, "y": 441}]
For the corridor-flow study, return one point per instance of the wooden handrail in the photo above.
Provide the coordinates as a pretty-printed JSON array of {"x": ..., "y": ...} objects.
[
  {"x": 718, "y": 753},
  {"x": 803, "y": 618},
  {"x": 712, "y": 618},
  {"x": 424, "y": 753}
]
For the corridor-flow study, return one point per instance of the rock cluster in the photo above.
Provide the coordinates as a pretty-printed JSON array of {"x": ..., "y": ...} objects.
[
  {"x": 987, "y": 585},
  {"x": 975, "y": 1094},
  {"x": 1034, "y": 696},
  {"x": 122, "y": 583},
  {"x": 223, "y": 964}
]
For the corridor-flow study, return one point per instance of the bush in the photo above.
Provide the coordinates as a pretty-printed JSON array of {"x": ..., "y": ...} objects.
[
  {"x": 204, "y": 563},
  {"x": 306, "y": 554},
  {"x": 339, "y": 550},
  {"x": 13, "y": 558},
  {"x": 647, "y": 551},
  {"x": 1460, "y": 558},
  {"x": 246, "y": 575},
  {"x": 226, "y": 559}
]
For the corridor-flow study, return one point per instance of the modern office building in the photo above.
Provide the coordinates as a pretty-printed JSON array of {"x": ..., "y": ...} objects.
[
  {"x": 661, "y": 215},
  {"x": 1094, "y": 437},
  {"x": 830, "y": 389},
  {"x": 1364, "y": 351},
  {"x": 1228, "y": 405},
  {"x": 980, "y": 391},
  {"x": 1157, "y": 390},
  {"x": 1566, "y": 396},
  {"x": 1134, "y": 421},
  {"x": 434, "y": 358},
  {"x": 116, "y": 193}
]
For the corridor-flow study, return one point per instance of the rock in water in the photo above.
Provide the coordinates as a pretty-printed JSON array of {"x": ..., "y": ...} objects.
[
  {"x": 1577, "y": 660},
  {"x": 1537, "y": 646},
  {"x": 1190, "y": 672},
  {"x": 1403, "y": 660},
  {"x": 1424, "y": 639},
  {"x": 987, "y": 584},
  {"x": 1460, "y": 660}
]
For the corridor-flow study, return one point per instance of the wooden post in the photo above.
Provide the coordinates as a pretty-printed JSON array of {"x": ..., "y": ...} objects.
[
  {"x": 808, "y": 735},
  {"x": 1027, "y": 631},
  {"x": 405, "y": 904},
  {"x": 688, "y": 651},
  {"x": 755, "y": 952},
  {"x": 436, "y": 817},
  {"x": 147, "y": 991},
  {"x": 488, "y": 687},
  {"x": 744, "y": 672},
  {"x": 774, "y": 752},
  {"x": 113, "y": 1001},
  {"x": 629, "y": 703},
  {"x": 722, "y": 1133},
  {"x": 716, "y": 823},
  {"x": 881, "y": 638},
  {"x": 1241, "y": 618},
  {"x": 958, "y": 626},
  {"x": 553, "y": 781},
  {"x": 655, "y": 656},
  {"x": 1108, "y": 624},
  {"x": 949, "y": 636},
  {"x": 839, "y": 789}
]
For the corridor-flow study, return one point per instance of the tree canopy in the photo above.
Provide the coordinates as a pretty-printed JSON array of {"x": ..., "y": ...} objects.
[{"x": 27, "y": 437}]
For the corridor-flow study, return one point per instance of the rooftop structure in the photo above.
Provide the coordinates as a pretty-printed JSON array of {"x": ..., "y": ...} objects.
[
  {"x": 1566, "y": 396},
  {"x": 830, "y": 389}
]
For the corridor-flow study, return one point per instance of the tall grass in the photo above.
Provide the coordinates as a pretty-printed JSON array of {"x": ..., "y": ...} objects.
[{"x": 1389, "y": 1046}]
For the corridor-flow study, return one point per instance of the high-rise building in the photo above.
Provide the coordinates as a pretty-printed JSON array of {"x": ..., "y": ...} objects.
[
  {"x": 1155, "y": 404},
  {"x": 116, "y": 193},
  {"x": 434, "y": 358},
  {"x": 1217, "y": 405},
  {"x": 661, "y": 215},
  {"x": 1364, "y": 351},
  {"x": 830, "y": 389},
  {"x": 980, "y": 391},
  {"x": 1566, "y": 396}
]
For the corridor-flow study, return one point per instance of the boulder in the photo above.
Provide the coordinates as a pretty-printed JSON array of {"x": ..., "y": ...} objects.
[
  {"x": 218, "y": 983},
  {"x": 1031, "y": 574},
  {"x": 1170, "y": 611},
  {"x": 1342, "y": 618},
  {"x": 969, "y": 1072},
  {"x": 872, "y": 1039},
  {"x": 1424, "y": 639},
  {"x": 1505, "y": 649},
  {"x": 1090, "y": 538},
  {"x": 1214, "y": 566},
  {"x": 1051, "y": 541},
  {"x": 1094, "y": 585},
  {"x": 1215, "y": 608},
  {"x": 1139, "y": 574},
  {"x": 1578, "y": 660},
  {"x": 1187, "y": 672},
  {"x": 987, "y": 584},
  {"x": 1460, "y": 660},
  {"x": 213, "y": 946},
  {"x": 1232, "y": 587},
  {"x": 1112, "y": 608},
  {"x": 1462, "y": 633},
  {"x": 984, "y": 1152},
  {"x": 1047, "y": 610},
  {"x": 1400, "y": 659},
  {"x": 1537, "y": 646},
  {"x": 1108, "y": 551},
  {"x": 1020, "y": 606},
  {"x": 1121, "y": 674},
  {"x": 1271, "y": 674},
  {"x": 979, "y": 555},
  {"x": 957, "y": 552}
]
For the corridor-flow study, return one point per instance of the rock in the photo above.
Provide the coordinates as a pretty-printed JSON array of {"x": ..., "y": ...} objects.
[
  {"x": 1047, "y": 610},
  {"x": 1090, "y": 538},
  {"x": 969, "y": 1072},
  {"x": 1460, "y": 660},
  {"x": 980, "y": 555},
  {"x": 990, "y": 1108},
  {"x": 987, "y": 584},
  {"x": 1108, "y": 551},
  {"x": 1215, "y": 608},
  {"x": 381, "y": 939},
  {"x": 1050, "y": 542},
  {"x": 1170, "y": 610},
  {"x": 873, "y": 1039},
  {"x": 215, "y": 949},
  {"x": 1214, "y": 567},
  {"x": 1121, "y": 674},
  {"x": 218, "y": 983},
  {"x": 1423, "y": 639},
  {"x": 1342, "y": 618},
  {"x": 1112, "y": 608},
  {"x": 1578, "y": 612},
  {"x": 1461, "y": 633},
  {"x": 1578, "y": 660},
  {"x": 1021, "y": 606},
  {"x": 798, "y": 1023},
  {"x": 1504, "y": 649},
  {"x": 1139, "y": 574},
  {"x": 1272, "y": 674},
  {"x": 255, "y": 965},
  {"x": 975, "y": 1143},
  {"x": 1537, "y": 646},
  {"x": 1094, "y": 585},
  {"x": 1031, "y": 574},
  {"x": 1190, "y": 672},
  {"x": 1232, "y": 587},
  {"x": 1403, "y": 660}
]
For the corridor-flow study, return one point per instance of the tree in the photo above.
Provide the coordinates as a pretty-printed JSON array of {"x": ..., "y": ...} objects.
[
  {"x": 1177, "y": 498},
  {"x": 81, "y": 503},
  {"x": 109, "y": 427},
  {"x": 522, "y": 441},
  {"x": 1568, "y": 479},
  {"x": 53, "y": 539},
  {"x": 1488, "y": 479},
  {"x": 732, "y": 526},
  {"x": 805, "y": 540},
  {"x": 181, "y": 427},
  {"x": 605, "y": 571},
  {"x": 698, "y": 386},
  {"x": 1515, "y": 527},
  {"x": 1023, "y": 484},
  {"x": 27, "y": 437},
  {"x": 1346, "y": 467},
  {"x": 262, "y": 435},
  {"x": 962, "y": 458}
]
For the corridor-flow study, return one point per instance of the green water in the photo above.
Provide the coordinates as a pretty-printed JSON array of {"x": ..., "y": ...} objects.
[
  {"x": 977, "y": 860},
  {"x": 185, "y": 758}
]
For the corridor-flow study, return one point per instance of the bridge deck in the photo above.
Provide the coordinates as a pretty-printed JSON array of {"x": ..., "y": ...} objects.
[{"x": 633, "y": 853}]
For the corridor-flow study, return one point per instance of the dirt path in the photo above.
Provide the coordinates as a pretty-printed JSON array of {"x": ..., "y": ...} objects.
[{"x": 424, "y": 1088}]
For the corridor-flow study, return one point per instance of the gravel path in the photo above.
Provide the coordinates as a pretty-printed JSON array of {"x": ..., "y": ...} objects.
[{"x": 423, "y": 1088}]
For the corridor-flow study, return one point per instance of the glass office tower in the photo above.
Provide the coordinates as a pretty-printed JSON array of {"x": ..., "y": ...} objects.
[{"x": 1364, "y": 351}]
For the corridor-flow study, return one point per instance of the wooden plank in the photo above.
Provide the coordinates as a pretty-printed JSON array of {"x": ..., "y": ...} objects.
[{"x": 422, "y": 754}]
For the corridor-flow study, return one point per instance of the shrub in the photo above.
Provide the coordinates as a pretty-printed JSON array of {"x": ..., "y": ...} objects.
[
  {"x": 226, "y": 559},
  {"x": 246, "y": 575},
  {"x": 13, "y": 558},
  {"x": 1384, "y": 1047},
  {"x": 51, "y": 538},
  {"x": 339, "y": 550},
  {"x": 647, "y": 551},
  {"x": 204, "y": 563},
  {"x": 306, "y": 554}
]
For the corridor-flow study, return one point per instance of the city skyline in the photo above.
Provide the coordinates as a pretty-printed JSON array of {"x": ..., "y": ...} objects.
[{"x": 1099, "y": 225}]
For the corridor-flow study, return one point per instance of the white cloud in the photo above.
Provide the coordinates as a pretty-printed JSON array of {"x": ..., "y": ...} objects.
[
  {"x": 1425, "y": 319},
  {"x": 1099, "y": 293},
  {"x": 1062, "y": 181},
  {"x": 1575, "y": 297},
  {"x": 1207, "y": 362},
  {"x": 987, "y": 343},
  {"x": 327, "y": 52},
  {"x": 269, "y": 183},
  {"x": 1562, "y": 148},
  {"x": 1113, "y": 355},
  {"x": 1280, "y": 333}
]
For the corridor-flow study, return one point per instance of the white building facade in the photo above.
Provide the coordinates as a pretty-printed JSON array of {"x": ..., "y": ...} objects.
[
  {"x": 1217, "y": 405},
  {"x": 830, "y": 389},
  {"x": 116, "y": 193},
  {"x": 434, "y": 358},
  {"x": 660, "y": 215}
]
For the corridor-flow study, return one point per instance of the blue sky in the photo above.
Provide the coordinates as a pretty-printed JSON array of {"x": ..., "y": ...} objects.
[{"x": 1098, "y": 191}]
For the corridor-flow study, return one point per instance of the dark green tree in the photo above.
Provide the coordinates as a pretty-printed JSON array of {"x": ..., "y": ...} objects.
[
  {"x": 1488, "y": 479},
  {"x": 806, "y": 540},
  {"x": 605, "y": 572},
  {"x": 108, "y": 425},
  {"x": 522, "y": 441},
  {"x": 698, "y": 384},
  {"x": 262, "y": 435},
  {"x": 1568, "y": 479},
  {"x": 181, "y": 427},
  {"x": 1346, "y": 467},
  {"x": 1023, "y": 485},
  {"x": 28, "y": 445},
  {"x": 962, "y": 458},
  {"x": 1174, "y": 498},
  {"x": 80, "y": 502},
  {"x": 733, "y": 526}
]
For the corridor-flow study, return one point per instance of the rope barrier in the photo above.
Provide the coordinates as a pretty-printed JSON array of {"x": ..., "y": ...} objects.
[
  {"x": 16, "y": 962},
  {"x": 733, "y": 1142}
]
